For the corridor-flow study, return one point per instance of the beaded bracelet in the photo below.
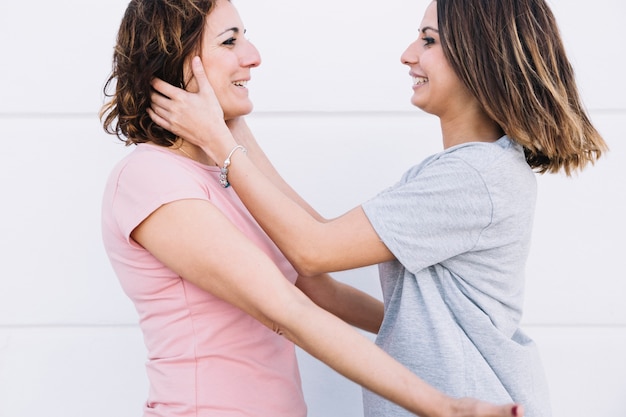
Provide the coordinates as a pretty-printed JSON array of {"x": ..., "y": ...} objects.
[{"x": 224, "y": 170}]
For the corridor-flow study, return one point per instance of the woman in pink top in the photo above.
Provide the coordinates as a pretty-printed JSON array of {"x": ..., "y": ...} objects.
[{"x": 216, "y": 299}]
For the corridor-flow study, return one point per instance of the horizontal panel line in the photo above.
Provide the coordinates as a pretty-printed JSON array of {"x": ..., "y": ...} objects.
[
  {"x": 286, "y": 113},
  {"x": 6, "y": 116},
  {"x": 256, "y": 114},
  {"x": 67, "y": 326},
  {"x": 134, "y": 325},
  {"x": 576, "y": 325},
  {"x": 384, "y": 113}
]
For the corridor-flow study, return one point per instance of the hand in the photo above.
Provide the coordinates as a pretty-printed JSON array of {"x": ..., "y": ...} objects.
[
  {"x": 467, "y": 407},
  {"x": 196, "y": 117}
]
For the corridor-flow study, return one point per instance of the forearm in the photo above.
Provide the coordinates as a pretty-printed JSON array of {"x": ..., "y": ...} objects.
[
  {"x": 244, "y": 136},
  {"x": 354, "y": 356},
  {"x": 290, "y": 226},
  {"x": 312, "y": 246},
  {"x": 344, "y": 301}
]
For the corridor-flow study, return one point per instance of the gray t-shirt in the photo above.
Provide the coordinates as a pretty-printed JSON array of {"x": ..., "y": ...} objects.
[{"x": 459, "y": 225}]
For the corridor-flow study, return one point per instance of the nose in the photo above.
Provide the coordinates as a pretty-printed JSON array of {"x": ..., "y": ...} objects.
[
  {"x": 250, "y": 56},
  {"x": 410, "y": 55}
]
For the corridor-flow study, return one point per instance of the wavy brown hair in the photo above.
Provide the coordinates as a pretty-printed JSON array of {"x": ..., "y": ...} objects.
[
  {"x": 510, "y": 55},
  {"x": 155, "y": 39}
]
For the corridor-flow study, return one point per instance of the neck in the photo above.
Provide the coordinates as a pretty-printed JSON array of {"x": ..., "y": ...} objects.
[
  {"x": 478, "y": 128},
  {"x": 191, "y": 151}
]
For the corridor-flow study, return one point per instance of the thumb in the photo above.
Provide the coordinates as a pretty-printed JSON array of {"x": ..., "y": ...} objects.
[
  {"x": 198, "y": 73},
  {"x": 205, "y": 89}
]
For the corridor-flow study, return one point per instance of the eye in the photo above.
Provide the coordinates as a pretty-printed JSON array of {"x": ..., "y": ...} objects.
[
  {"x": 230, "y": 41},
  {"x": 428, "y": 40}
]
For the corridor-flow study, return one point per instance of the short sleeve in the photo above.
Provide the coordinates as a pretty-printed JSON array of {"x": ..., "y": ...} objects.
[
  {"x": 146, "y": 182},
  {"x": 436, "y": 212}
]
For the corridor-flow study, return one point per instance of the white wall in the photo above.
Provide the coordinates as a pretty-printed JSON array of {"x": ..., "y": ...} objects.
[{"x": 332, "y": 111}]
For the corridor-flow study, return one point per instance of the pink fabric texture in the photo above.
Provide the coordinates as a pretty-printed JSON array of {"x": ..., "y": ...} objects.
[{"x": 205, "y": 356}]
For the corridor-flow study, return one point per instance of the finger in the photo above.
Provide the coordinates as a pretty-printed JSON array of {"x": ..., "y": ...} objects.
[
  {"x": 507, "y": 411},
  {"x": 200, "y": 76},
  {"x": 160, "y": 101},
  {"x": 517, "y": 411},
  {"x": 158, "y": 119},
  {"x": 469, "y": 407},
  {"x": 164, "y": 88}
]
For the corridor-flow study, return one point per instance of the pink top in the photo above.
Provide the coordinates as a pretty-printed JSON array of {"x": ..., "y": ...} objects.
[{"x": 205, "y": 356}]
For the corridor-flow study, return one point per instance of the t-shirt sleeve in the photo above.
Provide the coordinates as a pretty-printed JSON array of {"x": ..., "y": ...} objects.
[
  {"x": 433, "y": 214},
  {"x": 148, "y": 182}
]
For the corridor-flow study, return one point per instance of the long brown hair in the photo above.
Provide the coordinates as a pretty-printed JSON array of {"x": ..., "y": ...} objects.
[
  {"x": 509, "y": 53},
  {"x": 154, "y": 40}
]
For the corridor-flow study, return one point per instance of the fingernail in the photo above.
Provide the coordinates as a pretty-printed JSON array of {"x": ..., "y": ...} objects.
[{"x": 514, "y": 411}]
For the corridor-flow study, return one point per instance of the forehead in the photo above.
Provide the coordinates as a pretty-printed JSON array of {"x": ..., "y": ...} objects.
[
  {"x": 430, "y": 16},
  {"x": 223, "y": 17}
]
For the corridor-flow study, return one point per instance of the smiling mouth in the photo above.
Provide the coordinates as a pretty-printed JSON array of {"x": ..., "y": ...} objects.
[
  {"x": 240, "y": 83},
  {"x": 419, "y": 81}
]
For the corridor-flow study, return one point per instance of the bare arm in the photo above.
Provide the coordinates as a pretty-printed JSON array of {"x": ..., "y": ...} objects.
[
  {"x": 347, "y": 303},
  {"x": 176, "y": 234},
  {"x": 244, "y": 136},
  {"x": 311, "y": 244}
]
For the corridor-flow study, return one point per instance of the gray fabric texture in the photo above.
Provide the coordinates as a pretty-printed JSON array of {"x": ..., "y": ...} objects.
[{"x": 460, "y": 226}]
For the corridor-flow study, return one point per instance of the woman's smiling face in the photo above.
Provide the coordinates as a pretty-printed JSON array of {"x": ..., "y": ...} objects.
[
  {"x": 436, "y": 87},
  {"x": 228, "y": 57}
]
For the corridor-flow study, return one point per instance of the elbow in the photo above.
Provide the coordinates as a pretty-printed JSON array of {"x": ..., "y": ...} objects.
[
  {"x": 307, "y": 264},
  {"x": 306, "y": 271},
  {"x": 288, "y": 321},
  {"x": 307, "y": 251}
]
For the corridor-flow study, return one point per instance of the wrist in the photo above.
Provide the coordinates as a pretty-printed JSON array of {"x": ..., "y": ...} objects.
[
  {"x": 227, "y": 162},
  {"x": 217, "y": 144},
  {"x": 438, "y": 404},
  {"x": 240, "y": 131}
]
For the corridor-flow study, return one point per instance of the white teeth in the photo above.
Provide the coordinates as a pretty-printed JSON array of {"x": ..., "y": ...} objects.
[
  {"x": 240, "y": 83},
  {"x": 419, "y": 80}
]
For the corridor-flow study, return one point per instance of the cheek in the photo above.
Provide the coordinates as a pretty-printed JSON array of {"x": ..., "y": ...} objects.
[{"x": 217, "y": 83}]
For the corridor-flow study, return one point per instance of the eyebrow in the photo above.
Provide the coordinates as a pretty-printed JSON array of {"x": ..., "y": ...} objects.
[
  {"x": 233, "y": 29},
  {"x": 424, "y": 29}
]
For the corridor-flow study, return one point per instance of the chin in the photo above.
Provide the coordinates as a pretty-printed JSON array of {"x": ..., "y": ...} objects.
[
  {"x": 422, "y": 106},
  {"x": 238, "y": 112}
]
